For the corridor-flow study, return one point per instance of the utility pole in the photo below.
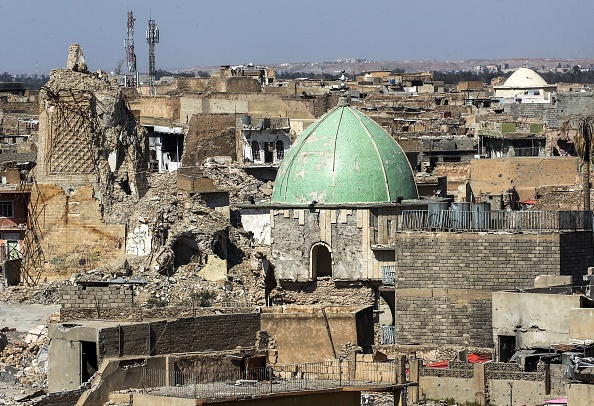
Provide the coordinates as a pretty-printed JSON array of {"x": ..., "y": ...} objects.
[
  {"x": 132, "y": 75},
  {"x": 152, "y": 37}
]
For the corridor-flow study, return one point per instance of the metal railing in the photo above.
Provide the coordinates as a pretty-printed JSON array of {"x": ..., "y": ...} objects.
[
  {"x": 513, "y": 221},
  {"x": 388, "y": 335},
  {"x": 272, "y": 379},
  {"x": 388, "y": 274}
]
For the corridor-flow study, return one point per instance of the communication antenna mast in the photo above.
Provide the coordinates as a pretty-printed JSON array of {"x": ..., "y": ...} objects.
[
  {"x": 152, "y": 37},
  {"x": 132, "y": 75}
]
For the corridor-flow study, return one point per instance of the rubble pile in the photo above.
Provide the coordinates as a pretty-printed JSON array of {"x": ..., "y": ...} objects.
[
  {"x": 558, "y": 198},
  {"x": 240, "y": 185},
  {"x": 322, "y": 293},
  {"x": 170, "y": 218},
  {"x": 46, "y": 293},
  {"x": 24, "y": 361}
]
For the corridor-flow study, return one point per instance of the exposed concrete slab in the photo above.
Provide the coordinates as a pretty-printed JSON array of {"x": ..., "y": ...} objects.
[{"x": 25, "y": 317}]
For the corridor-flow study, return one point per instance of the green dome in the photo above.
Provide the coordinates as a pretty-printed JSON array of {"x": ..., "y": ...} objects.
[{"x": 344, "y": 157}]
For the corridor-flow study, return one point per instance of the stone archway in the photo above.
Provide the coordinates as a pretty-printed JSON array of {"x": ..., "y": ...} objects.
[{"x": 320, "y": 260}]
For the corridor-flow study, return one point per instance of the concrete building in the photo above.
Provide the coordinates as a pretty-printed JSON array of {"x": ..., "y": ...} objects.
[
  {"x": 166, "y": 146},
  {"x": 262, "y": 144},
  {"x": 541, "y": 318}
]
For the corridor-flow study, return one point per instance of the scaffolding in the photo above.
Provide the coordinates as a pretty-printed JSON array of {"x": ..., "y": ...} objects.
[{"x": 32, "y": 258}]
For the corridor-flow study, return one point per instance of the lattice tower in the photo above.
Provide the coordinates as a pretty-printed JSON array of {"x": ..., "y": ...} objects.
[
  {"x": 152, "y": 37},
  {"x": 130, "y": 55}
]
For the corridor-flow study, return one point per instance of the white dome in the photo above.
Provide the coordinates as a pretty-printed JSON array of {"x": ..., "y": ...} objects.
[{"x": 525, "y": 77}]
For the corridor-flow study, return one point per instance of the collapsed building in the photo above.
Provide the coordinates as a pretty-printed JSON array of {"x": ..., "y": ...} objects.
[{"x": 91, "y": 153}]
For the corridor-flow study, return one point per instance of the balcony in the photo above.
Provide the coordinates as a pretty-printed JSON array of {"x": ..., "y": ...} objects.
[
  {"x": 388, "y": 334},
  {"x": 388, "y": 275},
  {"x": 507, "y": 221}
]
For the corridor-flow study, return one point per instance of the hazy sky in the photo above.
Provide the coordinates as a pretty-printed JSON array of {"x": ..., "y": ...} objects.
[{"x": 218, "y": 32}]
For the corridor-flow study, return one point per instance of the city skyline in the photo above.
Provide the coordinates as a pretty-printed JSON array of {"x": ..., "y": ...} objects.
[{"x": 268, "y": 32}]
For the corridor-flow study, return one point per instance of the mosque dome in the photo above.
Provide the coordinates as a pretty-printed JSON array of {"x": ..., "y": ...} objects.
[
  {"x": 525, "y": 77},
  {"x": 344, "y": 157}
]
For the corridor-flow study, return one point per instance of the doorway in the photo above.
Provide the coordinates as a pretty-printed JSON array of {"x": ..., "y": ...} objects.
[
  {"x": 507, "y": 347},
  {"x": 88, "y": 360},
  {"x": 321, "y": 261}
]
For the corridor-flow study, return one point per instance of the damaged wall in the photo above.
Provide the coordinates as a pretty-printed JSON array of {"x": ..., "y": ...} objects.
[
  {"x": 526, "y": 174},
  {"x": 160, "y": 110},
  {"x": 209, "y": 135},
  {"x": 297, "y": 230},
  {"x": 87, "y": 135},
  {"x": 124, "y": 339},
  {"x": 304, "y": 334},
  {"x": 91, "y": 155},
  {"x": 74, "y": 233}
]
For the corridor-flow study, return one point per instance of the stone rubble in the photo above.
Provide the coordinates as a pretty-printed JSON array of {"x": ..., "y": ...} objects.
[{"x": 169, "y": 216}]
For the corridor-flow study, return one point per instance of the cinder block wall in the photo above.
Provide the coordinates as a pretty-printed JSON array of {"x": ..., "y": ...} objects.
[
  {"x": 216, "y": 333},
  {"x": 84, "y": 297},
  {"x": 444, "y": 280}
]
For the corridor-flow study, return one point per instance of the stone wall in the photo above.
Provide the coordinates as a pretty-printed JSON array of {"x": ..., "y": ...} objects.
[
  {"x": 295, "y": 231},
  {"x": 575, "y": 254},
  {"x": 242, "y": 85},
  {"x": 574, "y": 104},
  {"x": 526, "y": 110},
  {"x": 158, "y": 107},
  {"x": 96, "y": 296},
  {"x": 444, "y": 280}
]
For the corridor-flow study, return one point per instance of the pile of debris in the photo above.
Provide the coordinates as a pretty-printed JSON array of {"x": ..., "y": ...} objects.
[
  {"x": 46, "y": 293},
  {"x": 24, "y": 358},
  {"x": 241, "y": 186}
]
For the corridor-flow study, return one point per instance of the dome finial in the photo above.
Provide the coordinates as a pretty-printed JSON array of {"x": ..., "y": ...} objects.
[{"x": 343, "y": 100}]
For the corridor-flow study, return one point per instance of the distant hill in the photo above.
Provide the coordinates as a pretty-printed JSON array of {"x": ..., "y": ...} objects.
[{"x": 414, "y": 65}]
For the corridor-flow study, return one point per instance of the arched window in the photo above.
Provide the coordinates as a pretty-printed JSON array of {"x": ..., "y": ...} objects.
[
  {"x": 321, "y": 261},
  {"x": 255, "y": 151},
  {"x": 280, "y": 150}
]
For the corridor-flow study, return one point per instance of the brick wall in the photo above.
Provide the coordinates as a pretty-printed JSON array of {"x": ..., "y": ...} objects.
[
  {"x": 96, "y": 296},
  {"x": 529, "y": 110},
  {"x": 216, "y": 333},
  {"x": 574, "y": 104},
  {"x": 444, "y": 280}
]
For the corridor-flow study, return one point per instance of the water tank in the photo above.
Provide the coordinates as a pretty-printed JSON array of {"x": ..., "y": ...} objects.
[
  {"x": 481, "y": 215},
  {"x": 460, "y": 215},
  {"x": 437, "y": 214},
  {"x": 245, "y": 120}
]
